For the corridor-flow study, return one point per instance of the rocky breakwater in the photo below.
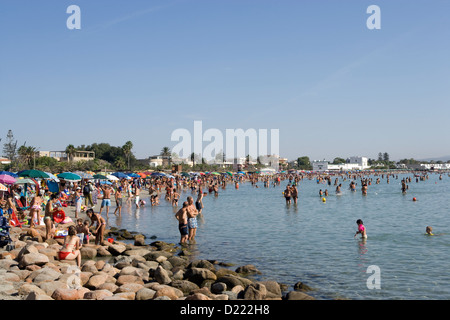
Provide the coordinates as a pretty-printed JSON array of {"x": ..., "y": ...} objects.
[{"x": 120, "y": 271}]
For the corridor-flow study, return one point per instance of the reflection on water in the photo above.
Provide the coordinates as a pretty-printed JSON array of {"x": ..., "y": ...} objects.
[{"x": 312, "y": 241}]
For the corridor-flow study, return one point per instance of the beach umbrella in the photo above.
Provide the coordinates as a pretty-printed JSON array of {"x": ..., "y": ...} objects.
[
  {"x": 185, "y": 174},
  {"x": 215, "y": 173},
  {"x": 33, "y": 174},
  {"x": 9, "y": 173},
  {"x": 106, "y": 182},
  {"x": 112, "y": 178},
  {"x": 7, "y": 179},
  {"x": 133, "y": 175},
  {"x": 84, "y": 175},
  {"x": 142, "y": 175},
  {"x": 24, "y": 181},
  {"x": 69, "y": 176},
  {"x": 119, "y": 175},
  {"x": 3, "y": 187},
  {"x": 157, "y": 174},
  {"x": 52, "y": 176},
  {"x": 100, "y": 176}
]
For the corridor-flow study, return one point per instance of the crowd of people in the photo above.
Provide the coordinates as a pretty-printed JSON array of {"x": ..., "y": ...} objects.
[{"x": 84, "y": 195}]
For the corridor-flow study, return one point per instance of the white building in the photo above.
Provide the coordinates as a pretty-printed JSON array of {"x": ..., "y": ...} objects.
[{"x": 352, "y": 163}]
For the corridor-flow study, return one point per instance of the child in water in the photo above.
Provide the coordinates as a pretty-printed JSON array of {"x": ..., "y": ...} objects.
[
  {"x": 361, "y": 229},
  {"x": 429, "y": 231}
]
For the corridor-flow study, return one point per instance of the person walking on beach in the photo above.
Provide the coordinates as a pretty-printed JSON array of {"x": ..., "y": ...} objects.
[
  {"x": 192, "y": 213},
  {"x": 182, "y": 218},
  {"x": 77, "y": 201},
  {"x": 87, "y": 193}
]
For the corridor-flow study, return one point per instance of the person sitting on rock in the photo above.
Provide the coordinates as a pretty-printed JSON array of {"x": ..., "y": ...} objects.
[{"x": 71, "y": 247}]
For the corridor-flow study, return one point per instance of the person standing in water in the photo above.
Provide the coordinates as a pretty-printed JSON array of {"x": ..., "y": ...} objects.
[
  {"x": 182, "y": 218},
  {"x": 192, "y": 213},
  {"x": 361, "y": 229},
  {"x": 287, "y": 195}
]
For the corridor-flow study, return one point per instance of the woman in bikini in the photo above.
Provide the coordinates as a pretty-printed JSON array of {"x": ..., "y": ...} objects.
[
  {"x": 71, "y": 247},
  {"x": 35, "y": 209},
  {"x": 101, "y": 224}
]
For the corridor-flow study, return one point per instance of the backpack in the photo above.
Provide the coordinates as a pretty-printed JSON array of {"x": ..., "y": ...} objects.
[{"x": 86, "y": 189}]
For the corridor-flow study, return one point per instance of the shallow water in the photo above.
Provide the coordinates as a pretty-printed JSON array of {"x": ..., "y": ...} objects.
[{"x": 313, "y": 241}]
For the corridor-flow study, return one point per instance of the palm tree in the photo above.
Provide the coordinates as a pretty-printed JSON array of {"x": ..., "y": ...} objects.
[
  {"x": 120, "y": 163},
  {"x": 70, "y": 151},
  {"x": 127, "y": 151},
  {"x": 165, "y": 152},
  {"x": 27, "y": 154}
]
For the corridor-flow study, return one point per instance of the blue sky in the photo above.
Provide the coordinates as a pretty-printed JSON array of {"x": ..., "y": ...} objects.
[{"x": 138, "y": 70}]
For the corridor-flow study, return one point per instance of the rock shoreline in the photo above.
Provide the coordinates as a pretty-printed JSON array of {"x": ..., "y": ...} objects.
[{"x": 126, "y": 271}]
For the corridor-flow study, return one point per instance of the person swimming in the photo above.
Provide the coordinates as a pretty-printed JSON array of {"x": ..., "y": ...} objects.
[{"x": 429, "y": 231}]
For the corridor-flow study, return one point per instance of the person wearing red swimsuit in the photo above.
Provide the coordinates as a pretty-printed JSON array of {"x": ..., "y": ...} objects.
[{"x": 71, "y": 248}]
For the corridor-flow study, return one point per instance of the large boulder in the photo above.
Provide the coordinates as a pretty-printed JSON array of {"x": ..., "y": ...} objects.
[
  {"x": 199, "y": 275},
  {"x": 255, "y": 291},
  {"x": 161, "y": 276},
  {"x": 185, "y": 286},
  {"x": 298, "y": 295},
  {"x": 38, "y": 259}
]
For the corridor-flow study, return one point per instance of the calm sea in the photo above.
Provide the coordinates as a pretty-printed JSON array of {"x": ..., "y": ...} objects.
[{"x": 313, "y": 242}]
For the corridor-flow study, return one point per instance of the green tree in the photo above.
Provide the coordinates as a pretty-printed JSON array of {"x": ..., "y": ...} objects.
[
  {"x": 70, "y": 151},
  {"x": 126, "y": 148},
  {"x": 338, "y": 160},
  {"x": 165, "y": 152},
  {"x": 303, "y": 163},
  {"x": 27, "y": 154},
  {"x": 10, "y": 146}
]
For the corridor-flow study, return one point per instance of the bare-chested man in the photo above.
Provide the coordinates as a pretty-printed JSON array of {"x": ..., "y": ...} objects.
[
  {"x": 106, "y": 198},
  {"x": 182, "y": 218},
  {"x": 192, "y": 213}
]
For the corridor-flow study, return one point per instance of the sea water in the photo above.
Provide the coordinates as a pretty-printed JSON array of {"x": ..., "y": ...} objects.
[{"x": 313, "y": 241}]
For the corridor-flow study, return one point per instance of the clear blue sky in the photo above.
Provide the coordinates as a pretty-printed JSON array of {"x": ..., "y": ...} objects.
[{"x": 137, "y": 70}]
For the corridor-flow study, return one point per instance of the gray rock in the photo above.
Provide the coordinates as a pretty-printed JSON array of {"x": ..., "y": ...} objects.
[
  {"x": 297, "y": 295},
  {"x": 218, "y": 287},
  {"x": 162, "y": 276},
  {"x": 198, "y": 275},
  {"x": 145, "y": 294},
  {"x": 255, "y": 291},
  {"x": 185, "y": 286}
]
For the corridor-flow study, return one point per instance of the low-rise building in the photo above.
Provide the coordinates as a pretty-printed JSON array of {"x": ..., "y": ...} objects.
[{"x": 352, "y": 163}]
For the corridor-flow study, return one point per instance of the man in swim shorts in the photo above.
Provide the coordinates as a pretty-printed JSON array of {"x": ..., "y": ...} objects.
[
  {"x": 106, "y": 202},
  {"x": 192, "y": 213},
  {"x": 182, "y": 218}
]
